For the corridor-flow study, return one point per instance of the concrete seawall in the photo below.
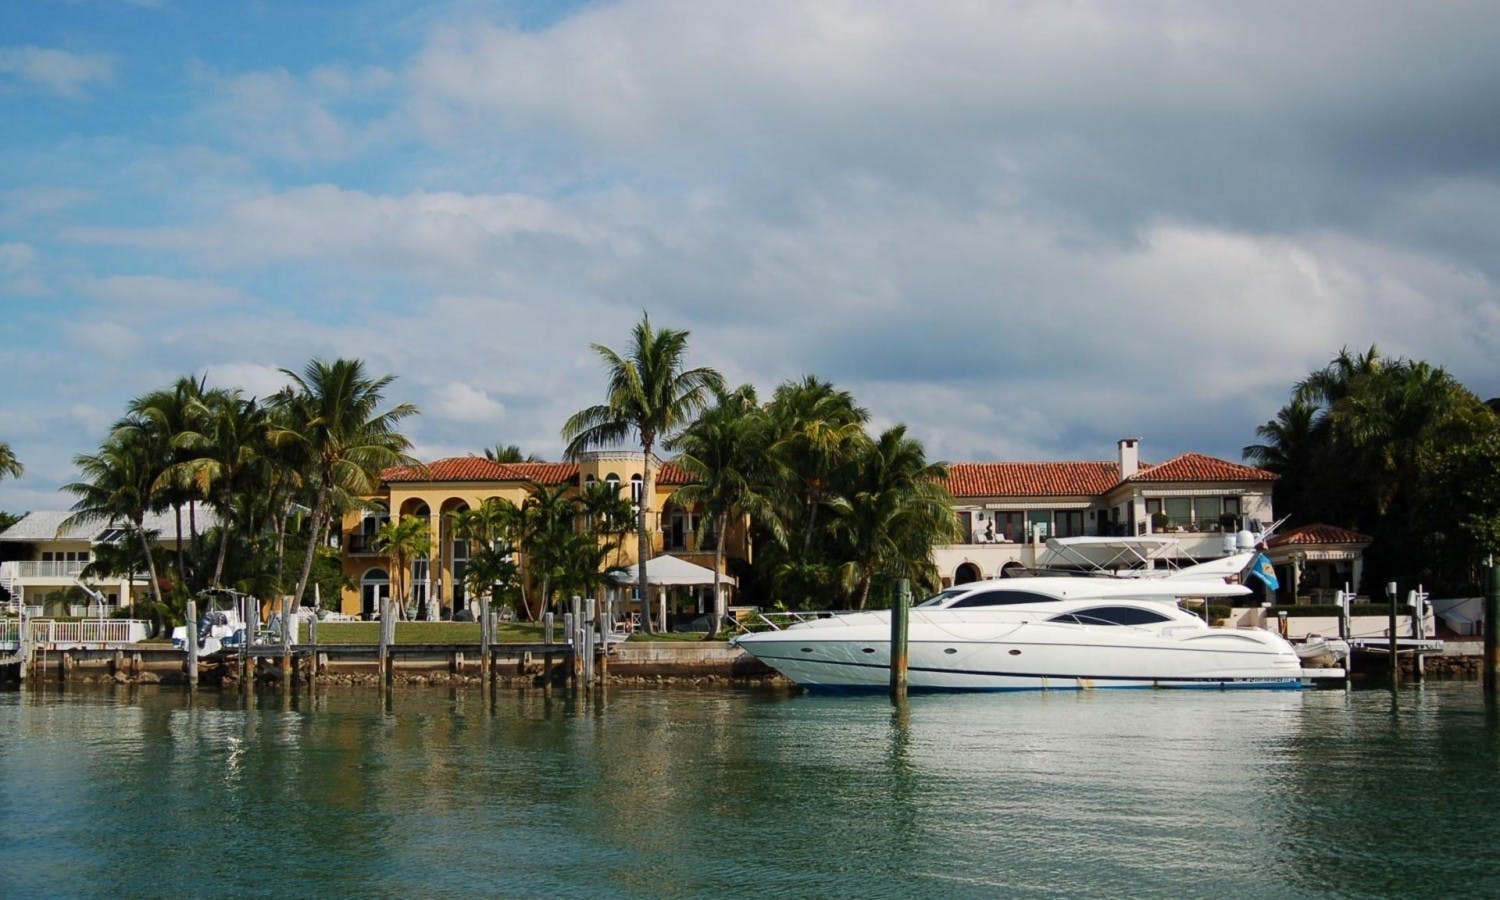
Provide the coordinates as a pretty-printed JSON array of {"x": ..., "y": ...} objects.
[{"x": 651, "y": 662}]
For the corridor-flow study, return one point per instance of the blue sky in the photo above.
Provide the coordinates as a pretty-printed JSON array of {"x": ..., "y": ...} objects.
[{"x": 1023, "y": 229}]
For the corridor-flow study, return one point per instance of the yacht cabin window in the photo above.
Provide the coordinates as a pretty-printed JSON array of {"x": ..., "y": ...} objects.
[
  {"x": 1000, "y": 598},
  {"x": 1111, "y": 615}
]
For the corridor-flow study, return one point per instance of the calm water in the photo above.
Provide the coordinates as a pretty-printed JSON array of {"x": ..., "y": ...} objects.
[{"x": 748, "y": 793}]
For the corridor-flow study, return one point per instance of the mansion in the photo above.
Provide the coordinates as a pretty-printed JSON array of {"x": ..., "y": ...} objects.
[{"x": 1006, "y": 512}]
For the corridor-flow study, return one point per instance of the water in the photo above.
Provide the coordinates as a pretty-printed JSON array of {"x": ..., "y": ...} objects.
[{"x": 685, "y": 793}]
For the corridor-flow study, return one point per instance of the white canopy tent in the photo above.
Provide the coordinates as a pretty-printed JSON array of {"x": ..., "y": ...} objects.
[{"x": 672, "y": 571}]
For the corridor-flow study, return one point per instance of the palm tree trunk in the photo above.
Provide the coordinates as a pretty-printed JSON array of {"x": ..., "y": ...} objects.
[
  {"x": 181, "y": 560},
  {"x": 223, "y": 551},
  {"x": 864, "y": 590},
  {"x": 312, "y": 544},
  {"x": 643, "y": 538},
  {"x": 720, "y": 526},
  {"x": 150, "y": 563}
]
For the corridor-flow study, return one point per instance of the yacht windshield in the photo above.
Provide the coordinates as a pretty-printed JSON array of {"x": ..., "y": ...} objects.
[{"x": 942, "y": 597}]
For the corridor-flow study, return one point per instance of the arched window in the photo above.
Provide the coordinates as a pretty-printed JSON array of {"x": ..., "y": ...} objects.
[
  {"x": 637, "y": 485},
  {"x": 374, "y": 586},
  {"x": 613, "y": 481}
]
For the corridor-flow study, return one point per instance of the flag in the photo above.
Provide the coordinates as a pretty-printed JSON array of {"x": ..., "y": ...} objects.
[{"x": 1261, "y": 568}]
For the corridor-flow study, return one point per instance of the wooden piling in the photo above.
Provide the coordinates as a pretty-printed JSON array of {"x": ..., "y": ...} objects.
[
  {"x": 192, "y": 643},
  {"x": 1390, "y": 590},
  {"x": 606, "y": 625},
  {"x": 385, "y": 640},
  {"x": 547, "y": 624},
  {"x": 1492, "y": 631},
  {"x": 247, "y": 637},
  {"x": 486, "y": 638},
  {"x": 900, "y": 606},
  {"x": 287, "y": 624}
]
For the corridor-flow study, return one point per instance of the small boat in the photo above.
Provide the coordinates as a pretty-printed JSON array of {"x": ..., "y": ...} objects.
[
  {"x": 1037, "y": 633},
  {"x": 1318, "y": 652},
  {"x": 220, "y": 626}
]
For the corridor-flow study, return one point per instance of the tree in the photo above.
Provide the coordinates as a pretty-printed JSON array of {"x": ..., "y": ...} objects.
[
  {"x": 117, "y": 485},
  {"x": 163, "y": 417},
  {"x": 509, "y": 453},
  {"x": 894, "y": 507},
  {"x": 334, "y": 416},
  {"x": 492, "y": 530},
  {"x": 724, "y": 452},
  {"x": 404, "y": 541},
  {"x": 226, "y": 440},
  {"x": 547, "y": 529},
  {"x": 9, "y": 465},
  {"x": 651, "y": 395}
]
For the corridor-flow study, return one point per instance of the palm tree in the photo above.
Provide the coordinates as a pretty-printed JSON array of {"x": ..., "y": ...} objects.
[
  {"x": 9, "y": 465},
  {"x": 491, "y": 528},
  {"x": 404, "y": 541},
  {"x": 724, "y": 453},
  {"x": 165, "y": 416},
  {"x": 547, "y": 527},
  {"x": 348, "y": 441},
  {"x": 894, "y": 509},
  {"x": 117, "y": 485},
  {"x": 651, "y": 395},
  {"x": 509, "y": 453},
  {"x": 1290, "y": 449},
  {"x": 225, "y": 443},
  {"x": 815, "y": 428}
]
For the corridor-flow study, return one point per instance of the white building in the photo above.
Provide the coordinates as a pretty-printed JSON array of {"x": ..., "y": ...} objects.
[{"x": 1007, "y": 510}]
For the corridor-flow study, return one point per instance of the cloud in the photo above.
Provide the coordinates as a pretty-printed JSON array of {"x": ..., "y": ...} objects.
[
  {"x": 463, "y": 403},
  {"x": 162, "y": 294},
  {"x": 61, "y": 72}
]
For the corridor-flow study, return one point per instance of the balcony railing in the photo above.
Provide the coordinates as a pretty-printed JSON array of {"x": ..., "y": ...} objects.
[
  {"x": 46, "y": 569},
  {"x": 357, "y": 543},
  {"x": 1207, "y": 525}
]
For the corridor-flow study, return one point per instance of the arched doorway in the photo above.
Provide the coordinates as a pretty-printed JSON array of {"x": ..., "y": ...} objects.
[
  {"x": 374, "y": 587},
  {"x": 966, "y": 573},
  {"x": 1012, "y": 569}
]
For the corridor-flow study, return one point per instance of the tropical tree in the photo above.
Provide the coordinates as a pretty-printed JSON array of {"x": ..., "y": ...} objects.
[
  {"x": 649, "y": 394},
  {"x": 509, "y": 453},
  {"x": 334, "y": 417},
  {"x": 9, "y": 465},
  {"x": 404, "y": 541},
  {"x": 117, "y": 485},
  {"x": 226, "y": 440},
  {"x": 815, "y": 429},
  {"x": 724, "y": 454},
  {"x": 894, "y": 507},
  {"x": 546, "y": 532},
  {"x": 164, "y": 418},
  {"x": 492, "y": 529}
]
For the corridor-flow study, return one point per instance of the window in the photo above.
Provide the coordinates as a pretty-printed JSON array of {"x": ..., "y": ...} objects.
[
  {"x": 1112, "y": 615},
  {"x": 1009, "y": 526},
  {"x": 1001, "y": 598},
  {"x": 613, "y": 481},
  {"x": 636, "y": 486},
  {"x": 1068, "y": 523},
  {"x": 1206, "y": 511},
  {"x": 966, "y": 526}
]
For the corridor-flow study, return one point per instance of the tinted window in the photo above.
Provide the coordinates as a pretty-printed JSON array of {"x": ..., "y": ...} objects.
[
  {"x": 1001, "y": 598},
  {"x": 1112, "y": 615}
]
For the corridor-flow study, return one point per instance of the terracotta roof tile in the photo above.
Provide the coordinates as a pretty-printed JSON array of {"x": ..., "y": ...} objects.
[
  {"x": 1319, "y": 533},
  {"x": 1031, "y": 479},
  {"x": 1197, "y": 467},
  {"x": 477, "y": 468},
  {"x": 673, "y": 474}
]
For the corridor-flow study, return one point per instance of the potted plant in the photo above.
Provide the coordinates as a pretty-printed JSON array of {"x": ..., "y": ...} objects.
[{"x": 1159, "y": 522}]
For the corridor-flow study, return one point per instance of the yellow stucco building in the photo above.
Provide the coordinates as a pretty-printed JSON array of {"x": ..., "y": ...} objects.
[{"x": 439, "y": 489}]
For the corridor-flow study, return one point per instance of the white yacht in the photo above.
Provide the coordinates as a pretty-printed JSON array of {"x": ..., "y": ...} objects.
[{"x": 1038, "y": 633}]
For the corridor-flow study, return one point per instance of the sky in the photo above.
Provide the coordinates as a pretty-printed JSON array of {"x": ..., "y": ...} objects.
[{"x": 1025, "y": 230}]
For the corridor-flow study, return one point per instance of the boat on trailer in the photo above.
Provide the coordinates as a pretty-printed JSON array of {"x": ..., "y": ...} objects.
[{"x": 1038, "y": 633}]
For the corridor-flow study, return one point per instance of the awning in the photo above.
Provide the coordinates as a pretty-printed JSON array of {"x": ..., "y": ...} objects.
[{"x": 671, "y": 570}]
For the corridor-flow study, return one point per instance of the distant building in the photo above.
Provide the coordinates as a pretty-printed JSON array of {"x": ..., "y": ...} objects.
[
  {"x": 45, "y": 561},
  {"x": 1007, "y": 510}
]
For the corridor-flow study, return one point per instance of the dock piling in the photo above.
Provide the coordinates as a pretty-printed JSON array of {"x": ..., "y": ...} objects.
[
  {"x": 1492, "y": 631},
  {"x": 900, "y": 606},
  {"x": 192, "y": 643},
  {"x": 1390, "y": 592}
]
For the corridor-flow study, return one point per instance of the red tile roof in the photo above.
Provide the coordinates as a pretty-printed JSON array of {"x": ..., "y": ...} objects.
[
  {"x": 1197, "y": 467},
  {"x": 477, "y": 468},
  {"x": 1319, "y": 533},
  {"x": 673, "y": 474},
  {"x": 1031, "y": 479}
]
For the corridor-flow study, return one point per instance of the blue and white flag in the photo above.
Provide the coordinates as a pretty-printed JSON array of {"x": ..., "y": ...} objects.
[{"x": 1261, "y": 568}]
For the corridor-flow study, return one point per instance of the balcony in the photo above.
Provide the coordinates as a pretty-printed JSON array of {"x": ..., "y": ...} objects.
[
  {"x": 357, "y": 543},
  {"x": 45, "y": 569},
  {"x": 1191, "y": 525}
]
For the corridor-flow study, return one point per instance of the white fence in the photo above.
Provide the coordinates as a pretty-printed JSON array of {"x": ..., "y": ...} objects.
[{"x": 50, "y": 633}]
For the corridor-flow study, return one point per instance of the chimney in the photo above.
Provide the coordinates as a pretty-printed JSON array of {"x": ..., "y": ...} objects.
[{"x": 1130, "y": 457}]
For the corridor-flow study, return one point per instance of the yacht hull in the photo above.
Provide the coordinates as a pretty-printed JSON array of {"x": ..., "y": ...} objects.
[{"x": 1028, "y": 656}]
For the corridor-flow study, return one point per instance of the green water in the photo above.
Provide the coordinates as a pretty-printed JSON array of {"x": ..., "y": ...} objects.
[{"x": 666, "y": 792}]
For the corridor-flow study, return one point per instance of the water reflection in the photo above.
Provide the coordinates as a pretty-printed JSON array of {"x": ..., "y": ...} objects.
[{"x": 689, "y": 792}]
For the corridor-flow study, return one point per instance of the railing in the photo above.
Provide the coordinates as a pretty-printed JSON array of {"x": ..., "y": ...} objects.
[
  {"x": 357, "y": 543},
  {"x": 45, "y": 569},
  {"x": 86, "y": 631},
  {"x": 1190, "y": 524}
]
